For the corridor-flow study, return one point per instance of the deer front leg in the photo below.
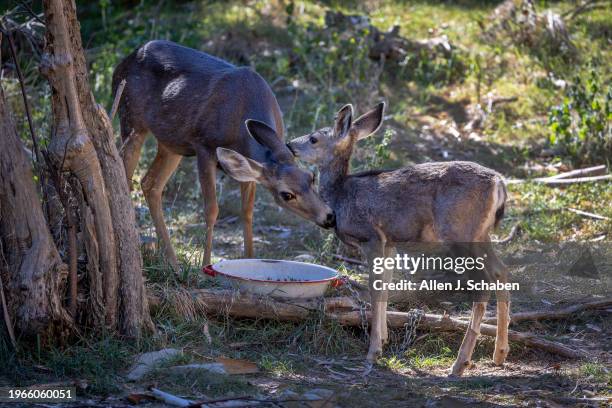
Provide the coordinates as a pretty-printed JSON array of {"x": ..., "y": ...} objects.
[
  {"x": 387, "y": 278},
  {"x": 469, "y": 340},
  {"x": 153, "y": 184},
  {"x": 373, "y": 250},
  {"x": 247, "y": 193},
  {"x": 207, "y": 165}
]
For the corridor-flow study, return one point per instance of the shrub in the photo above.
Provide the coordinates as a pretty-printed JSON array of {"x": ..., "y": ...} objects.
[{"x": 580, "y": 125}]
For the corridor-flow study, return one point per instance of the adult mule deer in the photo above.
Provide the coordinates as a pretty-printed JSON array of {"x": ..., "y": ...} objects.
[
  {"x": 447, "y": 202},
  {"x": 198, "y": 105}
]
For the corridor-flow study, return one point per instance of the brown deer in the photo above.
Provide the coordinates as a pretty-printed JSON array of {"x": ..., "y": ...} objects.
[
  {"x": 198, "y": 105},
  {"x": 448, "y": 202}
]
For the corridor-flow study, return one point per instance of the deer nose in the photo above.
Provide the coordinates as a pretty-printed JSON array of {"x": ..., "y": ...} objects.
[{"x": 330, "y": 221}]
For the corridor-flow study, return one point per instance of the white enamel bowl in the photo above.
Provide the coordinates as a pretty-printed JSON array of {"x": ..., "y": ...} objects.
[{"x": 282, "y": 279}]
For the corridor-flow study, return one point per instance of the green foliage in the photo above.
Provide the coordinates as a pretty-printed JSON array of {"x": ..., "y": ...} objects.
[
  {"x": 597, "y": 371},
  {"x": 98, "y": 360},
  {"x": 580, "y": 125},
  {"x": 434, "y": 68},
  {"x": 336, "y": 64},
  {"x": 278, "y": 367},
  {"x": 380, "y": 149}
]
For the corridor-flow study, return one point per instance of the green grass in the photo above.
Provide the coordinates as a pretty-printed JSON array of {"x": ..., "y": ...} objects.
[
  {"x": 392, "y": 363},
  {"x": 543, "y": 215},
  {"x": 432, "y": 353},
  {"x": 275, "y": 366},
  {"x": 597, "y": 372},
  {"x": 97, "y": 360}
]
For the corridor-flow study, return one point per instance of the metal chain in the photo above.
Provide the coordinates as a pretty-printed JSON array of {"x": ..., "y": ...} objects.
[
  {"x": 363, "y": 308},
  {"x": 414, "y": 318}
]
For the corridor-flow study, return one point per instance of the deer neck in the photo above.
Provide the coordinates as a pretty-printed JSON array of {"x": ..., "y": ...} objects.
[{"x": 332, "y": 177}]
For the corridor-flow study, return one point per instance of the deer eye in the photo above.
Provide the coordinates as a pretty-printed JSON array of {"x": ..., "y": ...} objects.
[
  {"x": 287, "y": 196},
  {"x": 313, "y": 140}
]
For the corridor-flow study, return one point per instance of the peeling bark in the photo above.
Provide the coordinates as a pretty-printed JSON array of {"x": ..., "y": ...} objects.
[{"x": 36, "y": 274}]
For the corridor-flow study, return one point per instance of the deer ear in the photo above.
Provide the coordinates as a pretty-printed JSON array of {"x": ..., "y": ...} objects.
[
  {"x": 344, "y": 119},
  {"x": 239, "y": 167},
  {"x": 267, "y": 137},
  {"x": 368, "y": 123}
]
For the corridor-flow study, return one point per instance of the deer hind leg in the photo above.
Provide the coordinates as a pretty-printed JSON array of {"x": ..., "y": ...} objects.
[
  {"x": 207, "y": 167},
  {"x": 502, "y": 348},
  {"x": 247, "y": 193},
  {"x": 500, "y": 272},
  {"x": 469, "y": 340},
  {"x": 387, "y": 278},
  {"x": 153, "y": 183}
]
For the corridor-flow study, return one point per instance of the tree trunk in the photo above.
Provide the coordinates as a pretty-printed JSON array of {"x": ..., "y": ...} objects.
[
  {"x": 32, "y": 269},
  {"x": 82, "y": 143}
]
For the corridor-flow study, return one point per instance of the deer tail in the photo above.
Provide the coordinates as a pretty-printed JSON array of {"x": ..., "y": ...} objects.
[{"x": 501, "y": 194}]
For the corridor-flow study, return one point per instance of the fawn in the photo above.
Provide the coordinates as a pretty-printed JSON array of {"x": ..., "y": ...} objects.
[{"x": 447, "y": 202}]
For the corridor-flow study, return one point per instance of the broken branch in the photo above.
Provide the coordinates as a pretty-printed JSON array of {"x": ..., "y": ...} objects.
[
  {"x": 510, "y": 236},
  {"x": 117, "y": 99},
  {"x": 588, "y": 214},
  {"x": 587, "y": 171},
  {"x": 559, "y": 181},
  {"x": 170, "y": 399},
  {"x": 348, "y": 260}
]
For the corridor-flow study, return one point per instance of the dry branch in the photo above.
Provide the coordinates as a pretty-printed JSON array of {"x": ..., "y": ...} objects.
[
  {"x": 588, "y": 214},
  {"x": 515, "y": 228},
  {"x": 565, "y": 181},
  {"x": 587, "y": 171},
  {"x": 348, "y": 260},
  {"x": 228, "y": 302},
  {"x": 556, "y": 314},
  {"x": 118, "y": 94},
  {"x": 7, "y": 318},
  {"x": 560, "y": 181}
]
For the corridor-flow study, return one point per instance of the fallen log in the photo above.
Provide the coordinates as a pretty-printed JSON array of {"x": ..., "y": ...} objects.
[
  {"x": 227, "y": 302},
  {"x": 449, "y": 324},
  {"x": 556, "y": 314}
]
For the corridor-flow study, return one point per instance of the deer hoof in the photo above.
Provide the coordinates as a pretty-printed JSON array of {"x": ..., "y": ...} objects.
[
  {"x": 458, "y": 368},
  {"x": 499, "y": 356},
  {"x": 373, "y": 355}
]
